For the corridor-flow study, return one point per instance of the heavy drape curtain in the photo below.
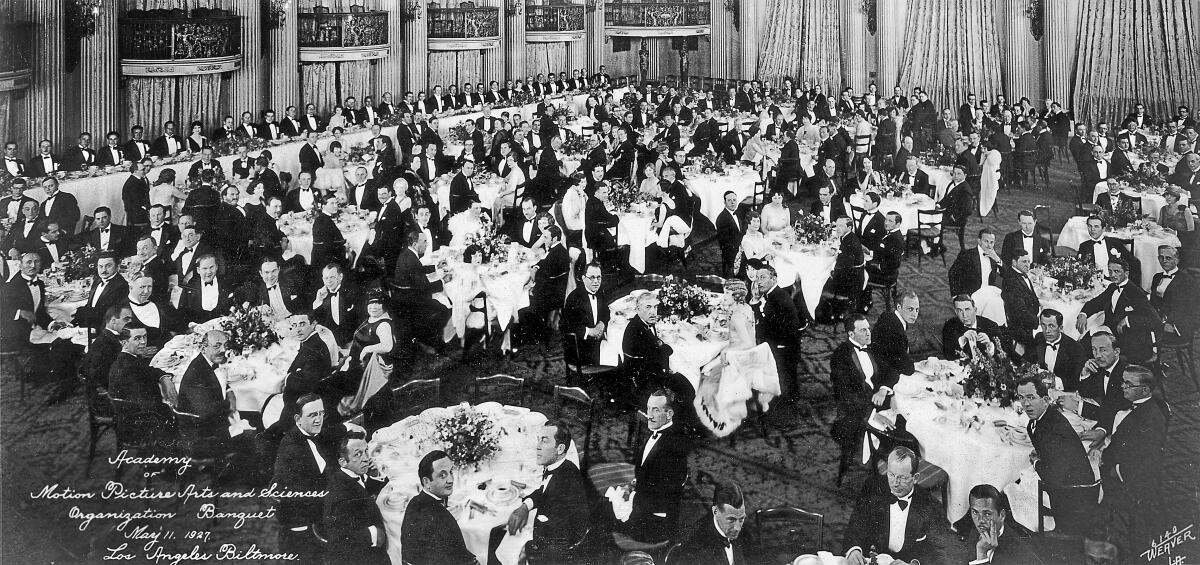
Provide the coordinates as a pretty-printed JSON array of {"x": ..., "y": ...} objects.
[
  {"x": 152, "y": 102},
  {"x": 355, "y": 80},
  {"x": 199, "y": 99},
  {"x": 803, "y": 39},
  {"x": 950, "y": 49},
  {"x": 545, "y": 57},
  {"x": 1135, "y": 51},
  {"x": 454, "y": 67},
  {"x": 318, "y": 86}
]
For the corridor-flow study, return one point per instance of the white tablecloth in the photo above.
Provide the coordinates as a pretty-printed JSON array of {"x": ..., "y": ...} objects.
[
  {"x": 711, "y": 188},
  {"x": 1145, "y": 245},
  {"x": 809, "y": 264},
  {"x": 989, "y": 305},
  {"x": 578, "y": 103},
  {"x": 502, "y": 282},
  {"x": 690, "y": 353},
  {"x": 488, "y": 189},
  {"x": 1151, "y": 203},
  {"x": 634, "y": 231},
  {"x": 398, "y": 448},
  {"x": 906, "y": 207},
  {"x": 940, "y": 178},
  {"x": 298, "y": 228}
]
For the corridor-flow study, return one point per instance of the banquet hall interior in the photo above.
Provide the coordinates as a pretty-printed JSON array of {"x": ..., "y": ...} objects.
[{"x": 599, "y": 281}]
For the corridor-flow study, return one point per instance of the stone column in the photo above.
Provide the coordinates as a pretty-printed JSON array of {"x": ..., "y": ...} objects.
[
  {"x": 593, "y": 23},
  {"x": 1022, "y": 54},
  {"x": 45, "y": 93},
  {"x": 721, "y": 61},
  {"x": 577, "y": 54},
  {"x": 285, "y": 60},
  {"x": 1061, "y": 19},
  {"x": 892, "y": 16},
  {"x": 514, "y": 49},
  {"x": 752, "y": 14},
  {"x": 854, "y": 46},
  {"x": 493, "y": 65},
  {"x": 655, "y": 49},
  {"x": 416, "y": 48},
  {"x": 246, "y": 84},
  {"x": 391, "y": 68},
  {"x": 99, "y": 73}
]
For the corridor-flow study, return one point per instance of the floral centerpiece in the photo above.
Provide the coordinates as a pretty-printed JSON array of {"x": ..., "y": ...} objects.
[
  {"x": 1124, "y": 215},
  {"x": 561, "y": 111},
  {"x": 1071, "y": 272},
  {"x": 681, "y": 300},
  {"x": 576, "y": 145},
  {"x": 360, "y": 153},
  {"x": 1143, "y": 178},
  {"x": 937, "y": 156},
  {"x": 811, "y": 229},
  {"x": 250, "y": 328},
  {"x": 623, "y": 196},
  {"x": 80, "y": 264},
  {"x": 229, "y": 145},
  {"x": 494, "y": 245},
  {"x": 458, "y": 134},
  {"x": 708, "y": 162},
  {"x": 469, "y": 437},
  {"x": 992, "y": 376},
  {"x": 630, "y": 99}
]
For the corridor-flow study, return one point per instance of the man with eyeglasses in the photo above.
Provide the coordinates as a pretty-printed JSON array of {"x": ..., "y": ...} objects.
[
  {"x": 585, "y": 318},
  {"x": 895, "y": 521},
  {"x": 1175, "y": 295}
]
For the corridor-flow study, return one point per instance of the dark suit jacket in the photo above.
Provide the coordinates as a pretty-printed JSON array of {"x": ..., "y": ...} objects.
[
  {"x": 577, "y": 312},
  {"x": 349, "y": 511},
  {"x": 200, "y": 393},
  {"x": 1021, "y": 306},
  {"x": 660, "y": 481},
  {"x": 190, "y": 303},
  {"x": 329, "y": 245},
  {"x": 919, "y": 181},
  {"x": 160, "y": 148},
  {"x": 460, "y": 194},
  {"x": 889, "y": 342},
  {"x": 255, "y": 293},
  {"x": 430, "y": 535},
  {"x": 780, "y": 322},
  {"x": 167, "y": 238},
  {"x": 309, "y": 368},
  {"x": 349, "y": 313},
  {"x": 133, "y": 379},
  {"x": 64, "y": 210},
  {"x": 729, "y": 232},
  {"x": 645, "y": 354},
  {"x": 76, "y": 158},
  {"x": 837, "y": 207},
  {"x": 515, "y": 231},
  {"x": 114, "y": 293},
  {"x": 17, "y": 296},
  {"x": 1043, "y": 250},
  {"x": 135, "y": 196},
  {"x": 957, "y": 204},
  {"x": 1012, "y": 550},
  {"x": 869, "y": 524},
  {"x": 966, "y": 276},
  {"x": 37, "y": 167},
  {"x": 410, "y": 278},
  {"x": 1136, "y": 341},
  {"x": 98, "y": 360},
  {"x": 296, "y": 470},
  {"x": 120, "y": 240},
  {"x": 871, "y": 236},
  {"x": 706, "y": 546},
  {"x": 1180, "y": 303},
  {"x": 1136, "y": 449},
  {"x": 954, "y": 329},
  {"x": 105, "y": 157},
  {"x": 310, "y": 158},
  {"x": 1071, "y": 357},
  {"x": 136, "y": 150},
  {"x": 596, "y": 221},
  {"x": 1106, "y": 400},
  {"x": 1062, "y": 460},
  {"x": 563, "y": 504},
  {"x": 847, "y": 276}
]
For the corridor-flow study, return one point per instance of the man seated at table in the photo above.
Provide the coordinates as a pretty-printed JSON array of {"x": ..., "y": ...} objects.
[
  {"x": 896, "y": 521},
  {"x": 994, "y": 538},
  {"x": 883, "y": 260},
  {"x": 429, "y": 534},
  {"x": 717, "y": 539},
  {"x": 1127, "y": 313},
  {"x": 353, "y": 524},
  {"x": 207, "y": 162},
  {"x": 1100, "y": 386},
  {"x": 890, "y": 336},
  {"x": 560, "y": 502},
  {"x": 107, "y": 236},
  {"x": 826, "y": 206},
  {"x": 647, "y": 357},
  {"x": 1099, "y": 250},
  {"x": 105, "y": 346},
  {"x": 549, "y": 282},
  {"x": 846, "y": 281},
  {"x": 204, "y": 394},
  {"x": 585, "y": 317},
  {"x": 301, "y": 464},
  {"x": 977, "y": 266},
  {"x": 412, "y": 293},
  {"x": 1176, "y": 296},
  {"x": 270, "y": 289},
  {"x": 314, "y": 363},
  {"x": 207, "y": 295},
  {"x": 108, "y": 289},
  {"x": 524, "y": 229},
  {"x": 24, "y": 305},
  {"x": 967, "y": 331},
  {"x": 914, "y": 178},
  {"x": 860, "y": 385},
  {"x": 336, "y": 305},
  {"x": 1056, "y": 351},
  {"x": 1029, "y": 238},
  {"x": 50, "y": 245},
  {"x": 161, "y": 320},
  {"x": 1021, "y": 305},
  {"x": 1059, "y": 457},
  {"x": 132, "y": 379},
  {"x": 957, "y": 199}
]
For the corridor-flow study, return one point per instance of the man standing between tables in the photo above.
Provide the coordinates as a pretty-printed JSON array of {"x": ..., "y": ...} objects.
[
  {"x": 730, "y": 229},
  {"x": 300, "y": 468},
  {"x": 1059, "y": 458},
  {"x": 429, "y": 534},
  {"x": 585, "y": 317},
  {"x": 353, "y": 523},
  {"x": 1175, "y": 295},
  {"x": 859, "y": 387},
  {"x": 661, "y": 469}
]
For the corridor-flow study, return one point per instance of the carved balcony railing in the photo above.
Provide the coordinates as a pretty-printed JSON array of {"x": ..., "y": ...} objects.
[
  {"x": 455, "y": 29},
  {"x": 346, "y": 36},
  {"x": 16, "y": 55},
  {"x": 553, "y": 23},
  {"x": 645, "y": 19},
  {"x": 172, "y": 42}
]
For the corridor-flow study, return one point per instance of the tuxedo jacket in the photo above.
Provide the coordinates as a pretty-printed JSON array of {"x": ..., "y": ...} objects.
[
  {"x": 191, "y": 305},
  {"x": 779, "y": 323},
  {"x": 105, "y": 156},
  {"x": 290, "y": 128},
  {"x": 42, "y": 248},
  {"x": 329, "y": 245},
  {"x": 429, "y": 534},
  {"x": 966, "y": 274},
  {"x": 515, "y": 230},
  {"x": 884, "y": 267},
  {"x": 1021, "y": 306},
  {"x": 729, "y": 231},
  {"x": 120, "y": 240},
  {"x": 837, "y": 207},
  {"x": 169, "y": 321},
  {"x": 19, "y": 163},
  {"x": 871, "y": 234},
  {"x": 349, "y": 312},
  {"x": 1071, "y": 355},
  {"x": 706, "y": 546},
  {"x": 296, "y": 469},
  {"x": 1179, "y": 303},
  {"x": 1062, "y": 459},
  {"x": 870, "y": 523},
  {"x": 1132, "y": 305},
  {"x": 410, "y": 279},
  {"x": 662, "y": 473},
  {"x": 1107, "y": 400},
  {"x": 255, "y": 293},
  {"x": 312, "y": 123},
  {"x": 460, "y": 194},
  {"x": 132, "y": 378},
  {"x": 957, "y": 204},
  {"x": 112, "y": 294},
  {"x": 577, "y": 312},
  {"x": 1013, "y": 548},
  {"x": 4, "y": 202},
  {"x": 562, "y": 507},
  {"x": 135, "y": 150},
  {"x": 852, "y": 390},
  {"x": 64, "y": 210},
  {"x": 596, "y": 221},
  {"x": 200, "y": 393},
  {"x": 135, "y": 196},
  {"x": 889, "y": 341},
  {"x": 160, "y": 148},
  {"x": 954, "y": 329},
  {"x": 308, "y": 369},
  {"x": 18, "y": 295},
  {"x": 349, "y": 512},
  {"x": 1043, "y": 250},
  {"x": 77, "y": 158},
  {"x": 38, "y": 167},
  {"x": 1136, "y": 448},
  {"x": 645, "y": 353},
  {"x": 166, "y": 238},
  {"x": 848, "y": 273},
  {"x": 918, "y": 180},
  {"x": 310, "y": 158}
]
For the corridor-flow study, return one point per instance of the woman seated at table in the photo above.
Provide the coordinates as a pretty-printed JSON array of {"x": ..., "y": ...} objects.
[
  {"x": 196, "y": 140},
  {"x": 514, "y": 183},
  {"x": 650, "y": 184},
  {"x": 745, "y": 366},
  {"x": 663, "y": 159},
  {"x": 469, "y": 308},
  {"x": 336, "y": 120},
  {"x": 754, "y": 242},
  {"x": 330, "y": 176},
  {"x": 868, "y": 179},
  {"x": 371, "y": 353},
  {"x": 1174, "y": 215},
  {"x": 164, "y": 192},
  {"x": 776, "y": 216},
  {"x": 544, "y": 221}
]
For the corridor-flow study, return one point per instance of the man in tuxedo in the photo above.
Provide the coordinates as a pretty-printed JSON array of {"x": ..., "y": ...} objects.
[
  {"x": 860, "y": 385},
  {"x": 965, "y": 327},
  {"x": 136, "y": 149},
  {"x": 108, "y": 289},
  {"x": 388, "y": 223},
  {"x": 13, "y": 164},
  {"x": 734, "y": 142},
  {"x": 207, "y": 162},
  {"x": 107, "y": 236},
  {"x": 461, "y": 189},
  {"x": 290, "y": 127},
  {"x": 97, "y": 362},
  {"x": 112, "y": 154},
  {"x": 203, "y": 394},
  {"x": 730, "y": 229},
  {"x": 81, "y": 156},
  {"x": 1100, "y": 386},
  {"x": 412, "y": 292},
  {"x": 336, "y": 305},
  {"x": 896, "y": 521},
  {"x": 1057, "y": 352},
  {"x": 329, "y": 244},
  {"x": 560, "y": 501},
  {"x": 883, "y": 260},
  {"x": 268, "y": 130},
  {"x": 889, "y": 336},
  {"x": 429, "y": 534},
  {"x": 524, "y": 230},
  {"x": 310, "y": 156},
  {"x": 976, "y": 267},
  {"x": 661, "y": 470},
  {"x": 271, "y": 290},
  {"x": 59, "y": 206},
  {"x": 50, "y": 245},
  {"x": 353, "y": 524},
  {"x": 165, "y": 234},
  {"x": 226, "y": 131},
  {"x": 135, "y": 195},
  {"x": 994, "y": 537},
  {"x": 1093, "y": 170},
  {"x": 826, "y": 206},
  {"x": 1175, "y": 295},
  {"x": 717, "y": 538},
  {"x": 363, "y": 191},
  {"x": 846, "y": 282},
  {"x": 310, "y": 121},
  {"x": 585, "y": 317},
  {"x": 1127, "y": 312},
  {"x": 1059, "y": 458},
  {"x": 872, "y": 227},
  {"x": 301, "y": 465},
  {"x": 314, "y": 363},
  {"x": 957, "y": 200},
  {"x": 913, "y": 177},
  {"x": 44, "y": 163},
  {"x": 779, "y": 325},
  {"x": 24, "y": 304},
  {"x": 1021, "y": 306},
  {"x": 169, "y": 144},
  {"x": 131, "y": 378},
  {"x": 647, "y": 357},
  {"x": 206, "y": 296},
  {"x": 1028, "y": 238},
  {"x": 549, "y": 286},
  {"x": 154, "y": 266}
]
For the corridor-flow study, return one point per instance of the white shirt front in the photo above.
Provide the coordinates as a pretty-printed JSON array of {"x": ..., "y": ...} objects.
[
  {"x": 210, "y": 292},
  {"x": 275, "y": 297},
  {"x": 147, "y": 313},
  {"x": 864, "y": 359},
  {"x": 1102, "y": 169},
  {"x": 897, "y": 522},
  {"x": 11, "y": 164},
  {"x": 156, "y": 234},
  {"x": 100, "y": 290},
  {"x": 595, "y": 311},
  {"x": 729, "y": 547},
  {"x": 172, "y": 145},
  {"x": 1100, "y": 251},
  {"x": 306, "y": 199},
  {"x": 53, "y": 249},
  {"x": 1165, "y": 281},
  {"x": 527, "y": 230},
  {"x": 654, "y": 437},
  {"x": 1121, "y": 415},
  {"x": 1051, "y": 356},
  {"x": 105, "y": 238},
  {"x": 35, "y": 292},
  {"x": 1027, "y": 242}
]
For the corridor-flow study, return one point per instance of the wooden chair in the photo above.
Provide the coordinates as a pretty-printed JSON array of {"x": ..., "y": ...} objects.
[
  {"x": 1183, "y": 354},
  {"x": 888, "y": 290},
  {"x": 576, "y": 406},
  {"x": 100, "y": 417},
  {"x": 320, "y": 9},
  {"x": 578, "y": 372},
  {"x": 505, "y": 389},
  {"x": 17, "y": 364},
  {"x": 857, "y": 213},
  {"x": 929, "y": 230},
  {"x": 785, "y": 532},
  {"x": 407, "y": 399}
]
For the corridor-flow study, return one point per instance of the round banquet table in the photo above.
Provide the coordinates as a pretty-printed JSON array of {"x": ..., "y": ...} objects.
[
  {"x": 633, "y": 230},
  {"x": 695, "y": 343},
  {"x": 1145, "y": 244},
  {"x": 809, "y": 264},
  {"x": 355, "y": 228},
  {"x": 711, "y": 188},
  {"x": 907, "y": 207},
  {"x": 488, "y": 191},
  {"x": 989, "y": 304},
  {"x": 503, "y": 283},
  {"x": 63, "y": 299},
  {"x": 940, "y": 178},
  {"x": 1152, "y": 203},
  {"x": 398, "y": 448}
]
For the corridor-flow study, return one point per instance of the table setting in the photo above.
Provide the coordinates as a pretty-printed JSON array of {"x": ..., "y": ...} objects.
[
  {"x": 1066, "y": 284},
  {"x": 710, "y": 184},
  {"x": 493, "y": 449},
  {"x": 487, "y": 186},
  {"x": 799, "y": 254},
  {"x": 1151, "y": 195},
  {"x": 906, "y": 204},
  {"x": 1145, "y": 236},
  {"x": 354, "y": 223},
  {"x": 503, "y": 275}
]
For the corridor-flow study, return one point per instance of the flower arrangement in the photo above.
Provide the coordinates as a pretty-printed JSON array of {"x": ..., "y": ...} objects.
[
  {"x": 1143, "y": 177},
  {"x": 709, "y": 162},
  {"x": 624, "y": 195},
  {"x": 564, "y": 111},
  {"x": 229, "y": 145},
  {"x": 250, "y": 328},
  {"x": 630, "y": 99},
  {"x": 993, "y": 377},
  {"x": 79, "y": 265},
  {"x": 468, "y": 436},
  {"x": 681, "y": 300},
  {"x": 359, "y": 153},
  {"x": 1123, "y": 216},
  {"x": 811, "y": 229},
  {"x": 1071, "y": 272},
  {"x": 458, "y": 134},
  {"x": 576, "y": 145},
  {"x": 494, "y": 245}
]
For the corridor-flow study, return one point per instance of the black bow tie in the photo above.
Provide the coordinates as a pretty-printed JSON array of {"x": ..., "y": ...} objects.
[
  {"x": 860, "y": 348},
  {"x": 1027, "y": 236},
  {"x": 1102, "y": 373},
  {"x": 1054, "y": 345},
  {"x": 187, "y": 250},
  {"x": 1166, "y": 276},
  {"x": 903, "y": 503},
  {"x": 546, "y": 474},
  {"x": 654, "y": 436},
  {"x": 32, "y": 282},
  {"x": 209, "y": 283},
  {"x": 725, "y": 542},
  {"x": 10, "y": 159},
  {"x": 272, "y": 287},
  {"x": 104, "y": 230}
]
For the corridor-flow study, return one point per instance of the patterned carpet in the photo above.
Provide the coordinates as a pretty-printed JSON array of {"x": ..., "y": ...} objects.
[{"x": 794, "y": 465}]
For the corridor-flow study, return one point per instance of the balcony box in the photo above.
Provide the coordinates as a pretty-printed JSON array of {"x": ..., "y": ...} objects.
[
  {"x": 175, "y": 42},
  {"x": 464, "y": 29},
  {"x": 549, "y": 24},
  {"x": 347, "y": 36},
  {"x": 657, "y": 19},
  {"x": 16, "y": 55}
]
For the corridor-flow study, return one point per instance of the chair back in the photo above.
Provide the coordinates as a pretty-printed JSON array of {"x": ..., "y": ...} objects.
[
  {"x": 272, "y": 410},
  {"x": 505, "y": 389},
  {"x": 786, "y": 531},
  {"x": 857, "y": 213},
  {"x": 576, "y": 407},
  {"x": 415, "y": 396},
  {"x": 930, "y": 218},
  {"x": 714, "y": 283},
  {"x": 136, "y": 425}
]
